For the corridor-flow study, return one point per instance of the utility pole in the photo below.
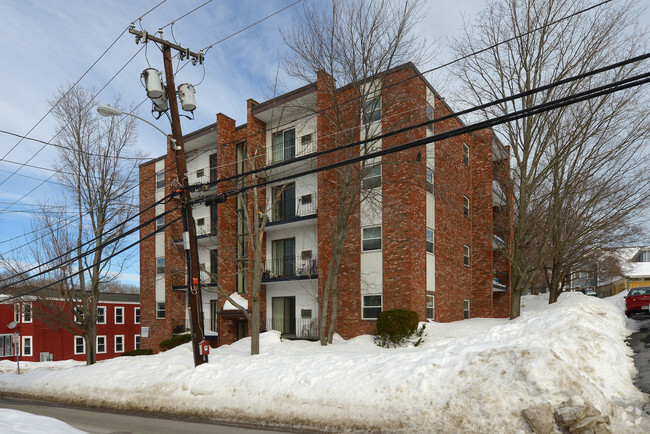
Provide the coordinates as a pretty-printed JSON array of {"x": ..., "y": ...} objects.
[{"x": 189, "y": 229}]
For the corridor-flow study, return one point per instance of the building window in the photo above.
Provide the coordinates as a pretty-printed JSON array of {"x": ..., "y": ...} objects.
[
  {"x": 101, "y": 315},
  {"x": 27, "y": 346},
  {"x": 136, "y": 342},
  {"x": 372, "y": 110},
  {"x": 429, "y": 180},
  {"x": 17, "y": 312},
  {"x": 466, "y": 255},
  {"x": 200, "y": 222},
  {"x": 284, "y": 145},
  {"x": 160, "y": 222},
  {"x": 372, "y": 177},
  {"x": 466, "y": 154},
  {"x": 214, "y": 318},
  {"x": 284, "y": 202},
  {"x": 371, "y": 238},
  {"x": 27, "y": 312},
  {"x": 199, "y": 173},
  {"x": 284, "y": 257},
  {"x": 119, "y": 315},
  {"x": 466, "y": 309},
  {"x": 78, "y": 314},
  {"x": 214, "y": 261},
  {"x": 429, "y": 111},
  {"x": 160, "y": 310},
  {"x": 213, "y": 167},
  {"x": 160, "y": 180},
  {"x": 6, "y": 345},
  {"x": 213, "y": 219},
  {"x": 466, "y": 206},
  {"x": 429, "y": 240},
  {"x": 431, "y": 314},
  {"x": 119, "y": 344},
  {"x": 101, "y": 344},
  {"x": 160, "y": 265},
  {"x": 371, "y": 306},
  {"x": 136, "y": 315},
  {"x": 79, "y": 345}
]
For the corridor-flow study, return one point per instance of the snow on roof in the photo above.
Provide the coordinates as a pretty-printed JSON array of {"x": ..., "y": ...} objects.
[
  {"x": 632, "y": 269},
  {"x": 238, "y": 299}
]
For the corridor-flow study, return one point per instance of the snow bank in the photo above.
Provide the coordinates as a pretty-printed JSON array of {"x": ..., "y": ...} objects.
[
  {"x": 474, "y": 376},
  {"x": 20, "y": 422}
]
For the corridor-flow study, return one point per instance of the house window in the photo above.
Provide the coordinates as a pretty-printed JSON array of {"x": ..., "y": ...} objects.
[
  {"x": 466, "y": 255},
  {"x": 371, "y": 238},
  {"x": 466, "y": 206},
  {"x": 429, "y": 240},
  {"x": 119, "y": 344},
  {"x": 431, "y": 307},
  {"x": 372, "y": 110},
  {"x": 17, "y": 312},
  {"x": 466, "y": 309},
  {"x": 136, "y": 342},
  {"x": 101, "y": 344},
  {"x": 429, "y": 180},
  {"x": 119, "y": 315},
  {"x": 160, "y": 222},
  {"x": 371, "y": 306},
  {"x": 27, "y": 312},
  {"x": 160, "y": 180},
  {"x": 160, "y": 310},
  {"x": 284, "y": 257},
  {"x": 136, "y": 315},
  {"x": 284, "y": 202},
  {"x": 372, "y": 177},
  {"x": 199, "y": 173},
  {"x": 6, "y": 345},
  {"x": 466, "y": 154},
  {"x": 284, "y": 145},
  {"x": 101, "y": 315},
  {"x": 160, "y": 265},
  {"x": 429, "y": 111},
  {"x": 200, "y": 222},
  {"x": 27, "y": 346},
  {"x": 78, "y": 314},
  {"x": 79, "y": 345}
]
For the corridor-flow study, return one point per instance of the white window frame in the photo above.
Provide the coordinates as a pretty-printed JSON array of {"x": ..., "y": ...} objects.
[
  {"x": 466, "y": 309},
  {"x": 466, "y": 255},
  {"x": 363, "y": 305},
  {"x": 363, "y": 239},
  {"x": 429, "y": 184},
  {"x": 103, "y": 309},
  {"x": 83, "y": 345},
  {"x": 97, "y": 344},
  {"x": 466, "y": 154},
  {"x": 121, "y": 337},
  {"x": 372, "y": 110},
  {"x": 429, "y": 114},
  {"x": 430, "y": 232},
  {"x": 159, "y": 311},
  {"x": 433, "y": 306},
  {"x": 160, "y": 180},
  {"x": 160, "y": 266},
  {"x": 27, "y": 307},
  {"x": 24, "y": 346},
  {"x": 160, "y": 222},
  {"x": 369, "y": 180},
  {"x": 136, "y": 315},
  {"x": 136, "y": 342},
  {"x": 466, "y": 206},
  {"x": 17, "y": 312},
  {"x": 121, "y": 309}
]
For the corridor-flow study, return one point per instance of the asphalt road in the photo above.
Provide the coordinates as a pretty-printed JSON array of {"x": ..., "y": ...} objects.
[
  {"x": 640, "y": 343},
  {"x": 102, "y": 422}
]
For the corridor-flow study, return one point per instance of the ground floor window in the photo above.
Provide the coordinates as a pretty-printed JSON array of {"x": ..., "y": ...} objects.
[
  {"x": 119, "y": 344},
  {"x": 466, "y": 309},
  {"x": 101, "y": 344},
  {"x": 430, "y": 307},
  {"x": 27, "y": 345},
  {"x": 160, "y": 310},
  {"x": 6, "y": 345},
  {"x": 214, "y": 310},
  {"x": 136, "y": 343},
  {"x": 79, "y": 345},
  {"x": 371, "y": 306}
]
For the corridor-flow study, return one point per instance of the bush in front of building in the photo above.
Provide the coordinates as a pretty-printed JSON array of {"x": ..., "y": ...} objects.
[
  {"x": 140, "y": 352},
  {"x": 395, "y": 327},
  {"x": 175, "y": 341}
]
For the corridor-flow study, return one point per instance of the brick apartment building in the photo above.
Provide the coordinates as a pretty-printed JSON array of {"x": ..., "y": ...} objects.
[
  {"x": 42, "y": 339},
  {"x": 426, "y": 237}
]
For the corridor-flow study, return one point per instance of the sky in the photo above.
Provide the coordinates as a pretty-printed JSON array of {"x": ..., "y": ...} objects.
[
  {"x": 476, "y": 375},
  {"x": 48, "y": 45}
]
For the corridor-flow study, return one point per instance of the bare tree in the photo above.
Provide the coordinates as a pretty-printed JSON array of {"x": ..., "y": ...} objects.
[
  {"x": 567, "y": 162},
  {"x": 350, "y": 42}
]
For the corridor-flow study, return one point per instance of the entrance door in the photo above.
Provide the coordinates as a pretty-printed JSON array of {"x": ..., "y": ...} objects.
[
  {"x": 284, "y": 315},
  {"x": 242, "y": 329}
]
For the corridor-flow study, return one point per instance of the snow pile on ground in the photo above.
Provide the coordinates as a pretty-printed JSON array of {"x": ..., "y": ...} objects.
[
  {"x": 476, "y": 375},
  {"x": 19, "y": 422}
]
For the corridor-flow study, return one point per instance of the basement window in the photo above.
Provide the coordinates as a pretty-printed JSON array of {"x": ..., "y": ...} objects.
[{"x": 371, "y": 306}]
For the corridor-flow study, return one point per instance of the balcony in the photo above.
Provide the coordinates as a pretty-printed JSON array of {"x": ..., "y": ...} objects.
[
  {"x": 498, "y": 196},
  {"x": 198, "y": 178},
  {"x": 292, "y": 210},
  {"x": 294, "y": 328},
  {"x": 497, "y": 242},
  {"x": 288, "y": 149},
  {"x": 290, "y": 268}
]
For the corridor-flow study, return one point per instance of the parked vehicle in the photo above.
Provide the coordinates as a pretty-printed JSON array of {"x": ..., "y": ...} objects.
[{"x": 637, "y": 300}]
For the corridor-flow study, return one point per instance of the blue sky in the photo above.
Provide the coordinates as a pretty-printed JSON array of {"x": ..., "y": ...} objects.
[{"x": 47, "y": 45}]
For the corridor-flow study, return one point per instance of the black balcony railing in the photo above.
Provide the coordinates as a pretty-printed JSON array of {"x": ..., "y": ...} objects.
[
  {"x": 290, "y": 266},
  {"x": 293, "y": 207},
  {"x": 294, "y": 328}
]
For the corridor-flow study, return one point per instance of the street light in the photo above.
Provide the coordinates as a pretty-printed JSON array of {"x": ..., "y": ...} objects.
[{"x": 109, "y": 111}]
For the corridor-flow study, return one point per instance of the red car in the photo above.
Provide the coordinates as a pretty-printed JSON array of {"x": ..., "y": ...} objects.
[{"x": 637, "y": 300}]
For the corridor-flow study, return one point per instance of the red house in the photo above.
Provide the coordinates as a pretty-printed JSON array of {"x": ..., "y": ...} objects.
[{"x": 118, "y": 329}]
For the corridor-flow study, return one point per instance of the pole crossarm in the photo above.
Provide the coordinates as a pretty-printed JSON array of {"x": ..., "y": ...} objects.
[{"x": 144, "y": 37}]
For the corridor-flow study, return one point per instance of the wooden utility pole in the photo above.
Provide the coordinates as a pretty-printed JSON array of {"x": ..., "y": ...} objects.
[{"x": 189, "y": 229}]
